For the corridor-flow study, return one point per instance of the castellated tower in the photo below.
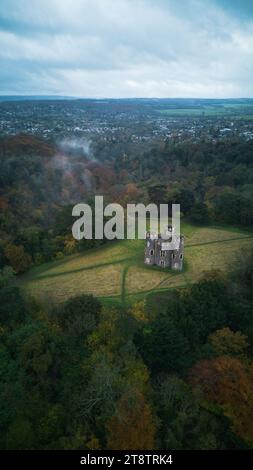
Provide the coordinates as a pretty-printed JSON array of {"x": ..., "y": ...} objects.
[{"x": 157, "y": 252}]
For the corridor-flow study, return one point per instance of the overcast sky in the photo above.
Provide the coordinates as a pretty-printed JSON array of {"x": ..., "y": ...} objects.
[{"x": 127, "y": 48}]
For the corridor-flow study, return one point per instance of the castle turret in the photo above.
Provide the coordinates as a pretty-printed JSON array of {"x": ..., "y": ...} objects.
[
  {"x": 150, "y": 250},
  {"x": 177, "y": 256},
  {"x": 157, "y": 250}
]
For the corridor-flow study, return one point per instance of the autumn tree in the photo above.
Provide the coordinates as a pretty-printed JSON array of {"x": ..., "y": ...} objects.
[
  {"x": 70, "y": 245},
  {"x": 19, "y": 260},
  {"x": 138, "y": 311},
  {"x": 227, "y": 382},
  {"x": 185, "y": 424},
  {"x": 132, "y": 193},
  {"x": 225, "y": 342},
  {"x": 132, "y": 426}
]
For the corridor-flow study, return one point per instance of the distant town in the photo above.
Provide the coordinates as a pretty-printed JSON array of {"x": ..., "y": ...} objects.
[{"x": 129, "y": 120}]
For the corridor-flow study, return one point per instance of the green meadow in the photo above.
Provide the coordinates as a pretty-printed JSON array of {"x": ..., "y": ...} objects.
[{"x": 115, "y": 272}]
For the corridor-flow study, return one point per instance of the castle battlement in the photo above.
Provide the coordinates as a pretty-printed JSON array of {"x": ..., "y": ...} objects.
[{"x": 157, "y": 250}]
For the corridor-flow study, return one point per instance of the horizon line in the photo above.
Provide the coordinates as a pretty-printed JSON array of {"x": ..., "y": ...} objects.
[{"x": 15, "y": 95}]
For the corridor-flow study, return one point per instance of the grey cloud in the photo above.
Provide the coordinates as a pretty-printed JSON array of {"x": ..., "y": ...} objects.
[{"x": 125, "y": 48}]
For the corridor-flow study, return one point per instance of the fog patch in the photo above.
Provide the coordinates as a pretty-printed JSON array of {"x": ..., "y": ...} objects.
[{"x": 77, "y": 146}]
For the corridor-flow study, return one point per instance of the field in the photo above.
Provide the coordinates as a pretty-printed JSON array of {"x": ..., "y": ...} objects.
[
  {"x": 235, "y": 110},
  {"x": 116, "y": 272}
]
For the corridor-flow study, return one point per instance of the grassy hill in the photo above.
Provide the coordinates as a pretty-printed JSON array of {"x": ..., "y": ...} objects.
[{"x": 116, "y": 272}]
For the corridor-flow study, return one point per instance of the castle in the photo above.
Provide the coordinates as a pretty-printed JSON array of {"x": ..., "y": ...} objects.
[{"x": 157, "y": 252}]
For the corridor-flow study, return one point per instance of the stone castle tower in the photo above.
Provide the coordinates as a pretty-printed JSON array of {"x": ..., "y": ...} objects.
[{"x": 157, "y": 252}]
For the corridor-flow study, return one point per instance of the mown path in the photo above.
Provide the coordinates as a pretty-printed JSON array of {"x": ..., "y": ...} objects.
[{"x": 124, "y": 276}]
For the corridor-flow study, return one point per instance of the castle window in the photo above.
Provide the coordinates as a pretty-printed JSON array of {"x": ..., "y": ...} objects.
[
  {"x": 181, "y": 256},
  {"x": 173, "y": 255},
  {"x": 151, "y": 252},
  {"x": 162, "y": 253}
]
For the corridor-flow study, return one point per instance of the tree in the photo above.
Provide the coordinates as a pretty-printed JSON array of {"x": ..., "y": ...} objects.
[
  {"x": 131, "y": 193},
  {"x": 70, "y": 245},
  {"x": 6, "y": 276},
  {"x": 18, "y": 258},
  {"x": 163, "y": 345},
  {"x": 202, "y": 308},
  {"x": 199, "y": 214},
  {"x": 37, "y": 350},
  {"x": 12, "y": 391},
  {"x": 231, "y": 207},
  {"x": 157, "y": 194},
  {"x": 132, "y": 426},
  {"x": 185, "y": 424},
  {"x": 63, "y": 220},
  {"x": 13, "y": 308},
  {"x": 138, "y": 311},
  {"x": 20, "y": 435},
  {"x": 79, "y": 316},
  {"x": 227, "y": 382},
  {"x": 226, "y": 342},
  {"x": 243, "y": 268},
  {"x": 186, "y": 199}
]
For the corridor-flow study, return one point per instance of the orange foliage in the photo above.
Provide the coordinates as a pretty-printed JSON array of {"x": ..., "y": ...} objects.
[
  {"x": 132, "y": 192},
  {"x": 103, "y": 175},
  {"x": 19, "y": 260},
  {"x": 25, "y": 144},
  {"x": 3, "y": 203},
  {"x": 132, "y": 426},
  {"x": 229, "y": 383}
]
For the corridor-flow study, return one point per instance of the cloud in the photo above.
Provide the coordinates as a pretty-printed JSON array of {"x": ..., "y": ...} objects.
[{"x": 103, "y": 48}]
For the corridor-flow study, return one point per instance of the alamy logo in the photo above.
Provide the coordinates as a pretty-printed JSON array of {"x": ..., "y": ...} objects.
[{"x": 115, "y": 222}]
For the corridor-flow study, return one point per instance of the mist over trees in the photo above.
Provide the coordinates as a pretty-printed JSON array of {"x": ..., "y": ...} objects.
[{"x": 173, "y": 371}]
